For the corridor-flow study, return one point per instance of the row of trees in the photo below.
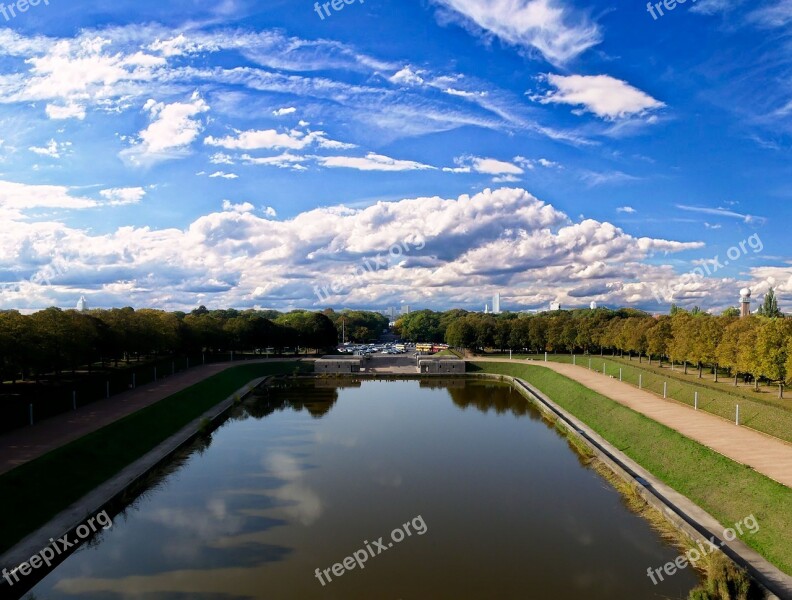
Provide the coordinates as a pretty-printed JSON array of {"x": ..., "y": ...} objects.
[
  {"x": 54, "y": 340},
  {"x": 755, "y": 347}
]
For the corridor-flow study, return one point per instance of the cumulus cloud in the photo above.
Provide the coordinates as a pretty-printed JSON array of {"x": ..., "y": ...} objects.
[
  {"x": 123, "y": 196},
  {"x": 71, "y": 74},
  {"x": 550, "y": 27},
  {"x": 174, "y": 127},
  {"x": 459, "y": 250},
  {"x": 605, "y": 96},
  {"x": 407, "y": 77},
  {"x": 16, "y": 197}
]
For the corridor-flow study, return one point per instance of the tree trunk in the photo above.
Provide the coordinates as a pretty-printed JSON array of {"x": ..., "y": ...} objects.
[
  {"x": 685, "y": 367},
  {"x": 701, "y": 369}
]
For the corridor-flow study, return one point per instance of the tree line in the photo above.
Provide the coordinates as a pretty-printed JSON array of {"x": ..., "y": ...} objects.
[
  {"x": 756, "y": 347},
  {"x": 52, "y": 341}
]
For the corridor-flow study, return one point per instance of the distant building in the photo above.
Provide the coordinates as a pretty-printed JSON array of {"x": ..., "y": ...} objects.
[
  {"x": 593, "y": 306},
  {"x": 82, "y": 304},
  {"x": 405, "y": 309},
  {"x": 745, "y": 302},
  {"x": 555, "y": 306},
  {"x": 486, "y": 309},
  {"x": 338, "y": 365},
  {"x": 496, "y": 301},
  {"x": 441, "y": 366}
]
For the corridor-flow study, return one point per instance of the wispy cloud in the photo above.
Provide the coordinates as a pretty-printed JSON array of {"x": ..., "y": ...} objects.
[
  {"x": 722, "y": 212},
  {"x": 549, "y": 27}
]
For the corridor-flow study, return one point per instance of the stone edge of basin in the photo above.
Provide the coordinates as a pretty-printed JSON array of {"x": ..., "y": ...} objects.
[
  {"x": 108, "y": 494},
  {"x": 680, "y": 511}
]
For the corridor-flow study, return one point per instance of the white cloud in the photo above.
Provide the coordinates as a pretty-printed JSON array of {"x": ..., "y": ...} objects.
[
  {"x": 530, "y": 164},
  {"x": 774, "y": 15},
  {"x": 407, "y": 77},
  {"x": 223, "y": 175},
  {"x": 174, "y": 127},
  {"x": 220, "y": 158},
  {"x": 711, "y": 7},
  {"x": 53, "y": 149},
  {"x": 270, "y": 139},
  {"x": 602, "y": 95},
  {"x": 123, "y": 196},
  {"x": 17, "y": 197},
  {"x": 486, "y": 166},
  {"x": 371, "y": 162},
  {"x": 282, "y": 112},
  {"x": 286, "y": 160},
  {"x": 722, "y": 212},
  {"x": 245, "y": 207},
  {"x": 71, "y": 74},
  {"x": 557, "y": 32},
  {"x": 469, "y": 248},
  {"x": 69, "y": 111},
  {"x": 626, "y": 209},
  {"x": 594, "y": 178}
]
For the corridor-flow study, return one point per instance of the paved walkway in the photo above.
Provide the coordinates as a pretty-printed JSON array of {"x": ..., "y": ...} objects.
[
  {"x": 767, "y": 455},
  {"x": 23, "y": 445}
]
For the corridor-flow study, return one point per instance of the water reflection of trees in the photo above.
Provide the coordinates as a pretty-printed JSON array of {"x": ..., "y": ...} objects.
[
  {"x": 487, "y": 396},
  {"x": 316, "y": 400}
]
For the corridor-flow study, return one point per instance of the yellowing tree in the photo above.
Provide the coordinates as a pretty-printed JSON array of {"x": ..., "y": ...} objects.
[{"x": 772, "y": 348}]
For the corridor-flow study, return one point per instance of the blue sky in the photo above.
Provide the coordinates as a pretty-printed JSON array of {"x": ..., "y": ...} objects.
[{"x": 253, "y": 154}]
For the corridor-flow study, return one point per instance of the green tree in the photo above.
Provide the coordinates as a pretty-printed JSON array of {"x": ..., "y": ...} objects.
[
  {"x": 658, "y": 338},
  {"x": 769, "y": 307},
  {"x": 772, "y": 346}
]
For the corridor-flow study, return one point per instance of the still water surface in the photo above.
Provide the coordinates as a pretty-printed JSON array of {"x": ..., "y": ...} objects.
[{"x": 303, "y": 476}]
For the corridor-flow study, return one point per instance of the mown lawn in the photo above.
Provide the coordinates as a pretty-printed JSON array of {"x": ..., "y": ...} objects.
[
  {"x": 35, "y": 492},
  {"x": 763, "y": 412},
  {"x": 727, "y": 490}
]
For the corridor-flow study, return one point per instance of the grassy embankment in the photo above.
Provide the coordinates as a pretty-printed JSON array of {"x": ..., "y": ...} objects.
[
  {"x": 727, "y": 490},
  {"x": 762, "y": 411},
  {"x": 449, "y": 353},
  {"x": 37, "y": 491}
]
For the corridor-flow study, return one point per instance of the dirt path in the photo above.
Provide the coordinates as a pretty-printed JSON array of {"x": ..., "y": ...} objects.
[
  {"x": 23, "y": 445},
  {"x": 767, "y": 455}
]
